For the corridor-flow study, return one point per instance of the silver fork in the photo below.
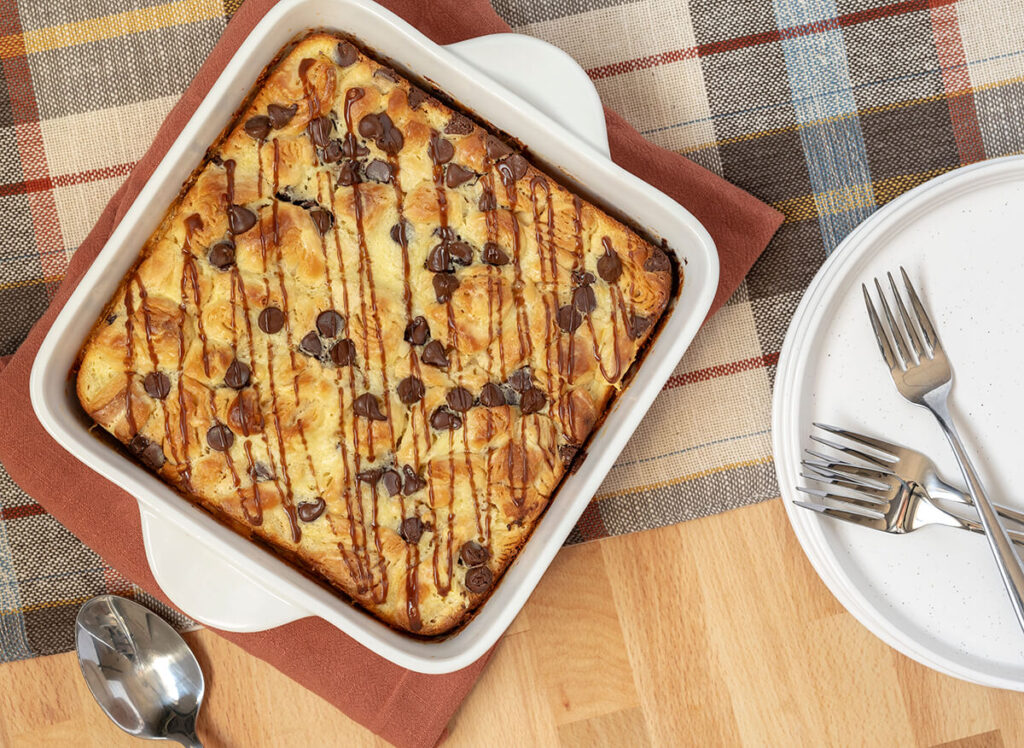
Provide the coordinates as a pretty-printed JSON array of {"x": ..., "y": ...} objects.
[
  {"x": 922, "y": 374},
  {"x": 886, "y": 463}
]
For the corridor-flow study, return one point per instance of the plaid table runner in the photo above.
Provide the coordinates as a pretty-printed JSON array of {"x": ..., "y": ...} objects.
[{"x": 824, "y": 108}]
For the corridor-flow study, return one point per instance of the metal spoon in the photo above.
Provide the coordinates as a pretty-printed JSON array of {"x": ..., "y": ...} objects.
[{"x": 140, "y": 671}]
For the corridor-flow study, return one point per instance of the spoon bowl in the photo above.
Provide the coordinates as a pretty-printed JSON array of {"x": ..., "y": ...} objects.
[{"x": 140, "y": 671}]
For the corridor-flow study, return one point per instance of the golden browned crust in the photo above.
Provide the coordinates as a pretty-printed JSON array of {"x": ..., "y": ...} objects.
[{"x": 536, "y": 304}]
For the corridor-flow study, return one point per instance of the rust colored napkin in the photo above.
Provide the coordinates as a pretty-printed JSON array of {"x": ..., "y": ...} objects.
[{"x": 405, "y": 708}]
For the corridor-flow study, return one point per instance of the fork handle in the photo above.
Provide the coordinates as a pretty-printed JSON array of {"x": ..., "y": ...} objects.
[{"x": 1010, "y": 567}]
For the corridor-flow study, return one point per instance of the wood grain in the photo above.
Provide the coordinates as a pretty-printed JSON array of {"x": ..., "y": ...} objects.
[{"x": 713, "y": 632}]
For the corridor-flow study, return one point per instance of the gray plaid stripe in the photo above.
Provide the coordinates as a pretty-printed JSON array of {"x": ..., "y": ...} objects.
[{"x": 523, "y": 12}]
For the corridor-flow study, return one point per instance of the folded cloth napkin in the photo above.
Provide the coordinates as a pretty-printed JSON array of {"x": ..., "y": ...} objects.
[{"x": 405, "y": 708}]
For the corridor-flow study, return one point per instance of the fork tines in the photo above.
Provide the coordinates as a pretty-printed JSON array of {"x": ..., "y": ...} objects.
[{"x": 921, "y": 345}]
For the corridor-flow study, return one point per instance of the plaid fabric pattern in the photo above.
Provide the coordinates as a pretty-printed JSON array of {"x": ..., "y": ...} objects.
[{"x": 826, "y": 109}]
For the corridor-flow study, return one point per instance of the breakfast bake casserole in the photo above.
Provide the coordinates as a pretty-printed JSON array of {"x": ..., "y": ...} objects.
[{"x": 372, "y": 335}]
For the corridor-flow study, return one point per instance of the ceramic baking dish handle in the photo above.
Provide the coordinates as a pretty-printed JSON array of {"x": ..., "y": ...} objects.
[{"x": 204, "y": 586}]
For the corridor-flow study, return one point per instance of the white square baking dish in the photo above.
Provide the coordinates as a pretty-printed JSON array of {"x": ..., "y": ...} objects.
[{"x": 226, "y": 581}]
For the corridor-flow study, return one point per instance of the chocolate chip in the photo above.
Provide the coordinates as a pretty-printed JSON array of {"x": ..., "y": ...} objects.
[
  {"x": 584, "y": 300},
  {"x": 240, "y": 219},
  {"x": 157, "y": 385},
  {"x": 371, "y": 476},
  {"x": 391, "y": 141},
  {"x": 220, "y": 437},
  {"x": 311, "y": 345},
  {"x": 478, "y": 579},
  {"x": 271, "y": 320},
  {"x": 487, "y": 200},
  {"x": 417, "y": 332},
  {"x": 458, "y": 125},
  {"x": 367, "y": 406},
  {"x": 434, "y": 355},
  {"x": 411, "y": 530},
  {"x": 473, "y": 554},
  {"x": 322, "y": 219},
  {"x": 515, "y": 166},
  {"x": 521, "y": 379},
  {"x": 260, "y": 472},
  {"x": 352, "y": 148},
  {"x": 332, "y": 153},
  {"x": 391, "y": 481},
  {"x": 281, "y": 115},
  {"x": 237, "y": 375},
  {"x": 444, "y": 287},
  {"x": 609, "y": 266},
  {"x": 440, "y": 150},
  {"x": 658, "y": 262},
  {"x": 411, "y": 390},
  {"x": 257, "y": 127},
  {"x": 370, "y": 126},
  {"x": 445, "y": 233},
  {"x": 493, "y": 255},
  {"x": 569, "y": 318},
  {"x": 460, "y": 399},
  {"x": 378, "y": 171},
  {"x": 443, "y": 419},
  {"x": 309, "y": 511},
  {"x": 491, "y": 396},
  {"x": 496, "y": 149},
  {"x": 330, "y": 323},
  {"x": 111, "y": 318},
  {"x": 413, "y": 482},
  {"x": 454, "y": 175},
  {"x": 567, "y": 453},
  {"x": 461, "y": 252},
  {"x": 439, "y": 259},
  {"x": 222, "y": 255},
  {"x": 348, "y": 175},
  {"x": 347, "y": 54},
  {"x": 400, "y": 234},
  {"x": 244, "y": 414},
  {"x": 387, "y": 74},
  {"x": 319, "y": 130},
  {"x": 416, "y": 96},
  {"x": 148, "y": 452},
  {"x": 531, "y": 401},
  {"x": 582, "y": 278},
  {"x": 637, "y": 326},
  {"x": 343, "y": 353}
]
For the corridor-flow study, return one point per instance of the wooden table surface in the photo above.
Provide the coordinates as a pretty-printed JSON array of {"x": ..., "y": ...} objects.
[{"x": 712, "y": 632}]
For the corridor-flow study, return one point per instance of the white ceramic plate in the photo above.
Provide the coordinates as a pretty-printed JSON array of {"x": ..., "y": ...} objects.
[
  {"x": 935, "y": 594},
  {"x": 525, "y": 87}
]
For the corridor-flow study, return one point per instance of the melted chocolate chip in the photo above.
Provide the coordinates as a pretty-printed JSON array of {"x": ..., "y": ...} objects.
[
  {"x": 609, "y": 266},
  {"x": 281, "y": 115},
  {"x": 493, "y": 255},
  {"x": 458, "y": 125},
  {"x": 330, "y": 323},
  {"x": 311, "y": 345},
  {"x": 237, "y": 375},
  {"x": 460, "y": 399},
  {"x": 491, "y": 396},
  {"x": 416, "y": 96},
  {"x": 400, "y": 234},
  {"x": 444, "y": 287},
  {"x": 391, "y": 481},
  {"x": 257, "y": 127},
  {"x": 569, "y": 318},
  {"x": 348, "y": 174},
  {"x": 366, "y": 406},
  {"x": 439, "y": 259},
  {"x": 440, "y": 150},
  {"x": 413, "y": 482},
  {"x": 260, "y": 472},
  {"x": 148, "y": 452},
  {"x": 386, "y": 74},
  {"x": 378, "y": 171},
  {"x": 411, "y": 390},
  {"x": 111, "y": 318},
  {"x": 322, "y": 219},
  {"x": 220, "y": 437},
  {"x": 487, "y": 200},
  {"x": 271, "y": 320},
  {"x": 496, "y": 149},
  {"x": 240, "y": 219},
  {"x": 434, "y": 355},
  {"x": 391, "y": 141},
  {"x": 371, "y": 476},
  {"x": 521, "y": 379},
  {"x": 567, "y": 453},
  {"x": 380, "y": 129},
  {"x": 479, "y": 579},
  {"x": 222, "y": 255},
  {"x": 443, "y": 419},
  {"x": 332, "y": 153},
  {"x": 343, "y": 353},
  {"x": 461, "y": 252},
  {"x": 417, "y": 332},
  {"x": 370, "y": 127},
  {"x": 658, "y": 262},
  {"x": 582, "y": 278},
  {"x": 411, "y": 530},
  {"x": 352, "y": 148},
  {"x": 454, "y": 175},
  {"x": 473, "y": 554},
  {"x": 445, "y": 233},
  {"x": 531, "y": 401},
  {"x": 584, "y": 300},
  {"x": 515, "y": 165},
  {"x": 319, "y": 131},
  {"x": 309, "y": 511},
  {"x": 157, "y": 385},
  {"x": 244, "y": 415},
  {"x": 346, "y": 54},
  {"x": 637, "y": 326}
]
